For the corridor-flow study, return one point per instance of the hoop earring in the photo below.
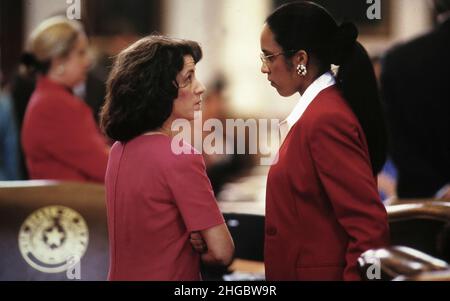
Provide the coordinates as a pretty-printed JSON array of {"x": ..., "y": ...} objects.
[{"x": 301, "y": 70}]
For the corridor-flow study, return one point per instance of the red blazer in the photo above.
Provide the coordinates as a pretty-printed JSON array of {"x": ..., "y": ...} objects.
[
  {"x": 322, "y": 204},
  {"x": 60, "y": 138}
]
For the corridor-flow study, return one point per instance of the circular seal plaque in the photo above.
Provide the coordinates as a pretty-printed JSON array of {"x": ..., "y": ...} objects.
[{"x": 51, "y": 237}]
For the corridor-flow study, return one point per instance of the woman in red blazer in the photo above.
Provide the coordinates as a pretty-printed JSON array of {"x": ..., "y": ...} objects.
[
  {"x": 59, "y": 136},
  {"x": 323, "y": 209}
]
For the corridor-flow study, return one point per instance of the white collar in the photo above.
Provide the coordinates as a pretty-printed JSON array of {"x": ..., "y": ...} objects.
[{"x": 324, "y": 81}]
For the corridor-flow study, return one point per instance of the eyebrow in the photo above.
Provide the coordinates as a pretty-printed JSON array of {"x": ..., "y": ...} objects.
[{"x": 192, "y": 70}]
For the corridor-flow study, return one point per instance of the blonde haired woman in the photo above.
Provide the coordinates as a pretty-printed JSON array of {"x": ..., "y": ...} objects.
[{"x": 59, "y": 136}]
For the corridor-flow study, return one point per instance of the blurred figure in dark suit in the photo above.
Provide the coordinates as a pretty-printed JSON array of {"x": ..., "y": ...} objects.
[
  {"x": 117, "y": 36},
  {"x": 415, "y": 83}
]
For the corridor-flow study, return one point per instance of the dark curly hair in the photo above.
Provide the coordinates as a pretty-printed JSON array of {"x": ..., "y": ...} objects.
[{"x": 142, "y": 86}]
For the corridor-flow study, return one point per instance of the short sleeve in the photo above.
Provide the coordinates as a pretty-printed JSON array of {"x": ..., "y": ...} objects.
[{"x": 193, "y": 193}]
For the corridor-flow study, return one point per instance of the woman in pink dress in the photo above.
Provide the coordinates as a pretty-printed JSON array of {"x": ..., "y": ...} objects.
[{"x": 157, "y": 200}]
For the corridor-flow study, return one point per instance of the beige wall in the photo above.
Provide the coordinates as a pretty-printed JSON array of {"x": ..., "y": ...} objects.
[
  {"x": 228, "y": 31},
  {"x": 38, "y": 10},
  {"x": 409, "y": 18}
]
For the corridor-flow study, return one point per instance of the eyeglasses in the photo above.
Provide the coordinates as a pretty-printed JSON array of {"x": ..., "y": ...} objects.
[{"x": 267, "y": 59}]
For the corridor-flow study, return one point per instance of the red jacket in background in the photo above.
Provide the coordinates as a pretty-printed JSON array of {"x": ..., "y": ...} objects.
[
  {"x": 322, "y": 205},
  {"x": 60, "y": 138}
]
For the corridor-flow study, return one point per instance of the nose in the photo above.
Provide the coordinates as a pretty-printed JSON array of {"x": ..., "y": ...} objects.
[
  {"x": 200, "y": 88},
  {"x": 88, "y": 61},
  {"x": 264, "y": 68}
]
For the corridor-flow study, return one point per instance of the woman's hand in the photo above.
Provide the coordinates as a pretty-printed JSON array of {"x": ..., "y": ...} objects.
[{"x": 198, "y": 243}]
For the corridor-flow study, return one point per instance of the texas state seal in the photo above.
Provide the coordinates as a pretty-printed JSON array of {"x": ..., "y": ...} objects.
[{"x": 51, "y": 237}]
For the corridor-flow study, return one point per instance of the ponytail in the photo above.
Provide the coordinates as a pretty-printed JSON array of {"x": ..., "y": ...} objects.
[
  {"x": 30, "y": 65},
  {"x": 357, "y": 82}
]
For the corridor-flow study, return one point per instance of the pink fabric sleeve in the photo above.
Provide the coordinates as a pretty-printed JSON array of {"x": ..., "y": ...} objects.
[{"x": 193, "y": 193}]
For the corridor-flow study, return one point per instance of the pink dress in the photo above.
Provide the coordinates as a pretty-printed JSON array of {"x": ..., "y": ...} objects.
[{"x": 154, "y": 200}]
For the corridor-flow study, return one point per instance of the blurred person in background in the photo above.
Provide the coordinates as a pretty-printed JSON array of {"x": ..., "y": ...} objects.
[
  {"x": 387, "y": 177},
  {"x": 60, "y": 138},
  {"x": 119, "y": 35},
  {"x": 416, "y": 94},
  {"x": 221, "y": 167},
  {"x": 9, "y": 148}
]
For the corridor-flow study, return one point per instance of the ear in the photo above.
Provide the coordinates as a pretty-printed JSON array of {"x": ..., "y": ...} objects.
[
  {"x": 61, "y": 59},
  {"x": 300, "y": 58},
  {"x": 55, "y": 62}
]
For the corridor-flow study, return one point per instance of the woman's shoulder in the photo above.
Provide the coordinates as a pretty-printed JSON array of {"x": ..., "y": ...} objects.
[
  {"x": 329, "y": 108},
  {"x": 53, "y": 95},
  {"x": 168, "y": 151},
  {"x": 183, "y": 153},
  {"x": 116, "y": 148}
]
